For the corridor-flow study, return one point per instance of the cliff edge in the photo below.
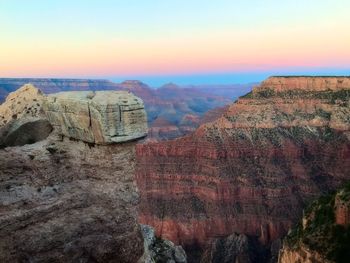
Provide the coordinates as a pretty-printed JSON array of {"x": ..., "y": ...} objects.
[{"x": 65, "y": 200}]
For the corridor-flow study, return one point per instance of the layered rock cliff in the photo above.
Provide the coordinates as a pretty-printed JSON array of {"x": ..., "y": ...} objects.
[
  {"x": 253, "y": 170},
  {"x": 64, "y": 200},
  {"x": 323, "y": 235}
]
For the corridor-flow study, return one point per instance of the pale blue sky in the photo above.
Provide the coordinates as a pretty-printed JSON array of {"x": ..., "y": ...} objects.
[{"x": 98, "y": 33}]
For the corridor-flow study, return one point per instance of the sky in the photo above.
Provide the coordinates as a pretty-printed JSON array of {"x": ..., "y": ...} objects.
[{"x": 183, "y": 41}]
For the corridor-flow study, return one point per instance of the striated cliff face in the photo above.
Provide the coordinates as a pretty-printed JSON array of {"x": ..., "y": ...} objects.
[
  {"x": 323, "y": 235},
  {"x": 64, "y": 200},
  {"x": 252, "y": 170}
]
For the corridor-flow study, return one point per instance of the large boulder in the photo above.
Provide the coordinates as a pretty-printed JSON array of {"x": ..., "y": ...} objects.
[
  {"x": 101, "y": 117},
  {"x": 22, "y": 120}
]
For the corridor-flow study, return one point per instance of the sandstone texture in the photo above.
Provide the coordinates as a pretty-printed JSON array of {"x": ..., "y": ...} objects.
[
  {"x": 101, "y": 117},
  {"x": 254, "y": 169},
  {"x": 323, "y": 235},
  {"x": 22, "y": 119}
]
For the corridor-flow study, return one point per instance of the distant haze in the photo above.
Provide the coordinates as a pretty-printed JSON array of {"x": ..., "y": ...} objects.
[{"x": 226, "y": 78}]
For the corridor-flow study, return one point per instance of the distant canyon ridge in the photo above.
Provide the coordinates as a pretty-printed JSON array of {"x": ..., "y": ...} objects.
[{"x": 172, "y": 111}]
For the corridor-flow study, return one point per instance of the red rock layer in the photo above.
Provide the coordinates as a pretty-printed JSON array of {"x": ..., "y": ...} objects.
[
  {"x": 342, "y": 211},
  {"x": 252, "y": 170}
]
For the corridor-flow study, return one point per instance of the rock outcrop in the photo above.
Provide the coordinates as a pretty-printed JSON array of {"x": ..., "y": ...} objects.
[
  {"x": 159, "y": 250},
  {"x": 253, "y": 170},
  {"x": 101, "y": 117},
  {"x": 64, "y": 200},
  {"x": 22, "y": 119},
  {"x": 322, "y": 235}
]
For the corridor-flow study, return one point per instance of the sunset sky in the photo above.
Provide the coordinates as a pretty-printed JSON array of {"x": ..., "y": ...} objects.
[{"x": 186, "y": 41}]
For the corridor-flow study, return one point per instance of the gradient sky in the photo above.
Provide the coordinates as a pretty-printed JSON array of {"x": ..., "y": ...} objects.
[{"x": 188, "y": 41}]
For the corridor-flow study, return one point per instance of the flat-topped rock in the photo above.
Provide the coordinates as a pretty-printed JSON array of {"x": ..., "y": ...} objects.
[
  {"x": 101, "y": 117},
  {"x": 307, "y": 83}
]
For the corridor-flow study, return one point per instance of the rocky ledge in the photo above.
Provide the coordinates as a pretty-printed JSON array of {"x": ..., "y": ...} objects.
[{"x": 65, "y": 200}]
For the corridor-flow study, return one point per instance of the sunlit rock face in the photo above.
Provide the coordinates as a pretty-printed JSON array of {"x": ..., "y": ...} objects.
[
  {"x": 101, "y": 117},
  {"x": 252, "y": 170},
  {"x": 22, "y": 120}
]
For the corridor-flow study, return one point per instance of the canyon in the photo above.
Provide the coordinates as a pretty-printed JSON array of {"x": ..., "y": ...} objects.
[
  {"x": 254, "y": 169},
  {"x": 77, "y": 178},
  {"x": 172, "y": 110}
]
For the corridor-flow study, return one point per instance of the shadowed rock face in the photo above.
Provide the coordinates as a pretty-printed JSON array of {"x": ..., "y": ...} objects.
[
  {"x": 323, "y": 234},
  {"x": 101, "y": 117},
  {"x": 63, "y": 201},
  {"x": 29, "y": 132},
  {"x": 253, "y": 170},
  {"x": 234, "y": 248}
]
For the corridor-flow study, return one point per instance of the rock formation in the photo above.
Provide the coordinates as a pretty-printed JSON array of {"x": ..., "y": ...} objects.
[
  {"x": 22, "y": 119},
  {"x": 237, "y": 248},
  {"x": 101, "y": 117},
  {"x": 64, "y": 200},
  {"x": 253, "y": 170},
  {"x": 323, "y": 235},
  {"x": 159, "y": 250}
]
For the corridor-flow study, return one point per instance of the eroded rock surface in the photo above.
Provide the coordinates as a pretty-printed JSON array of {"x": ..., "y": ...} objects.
[
  {"x": 101, "y": 117},
  {"x": 64, "y": 200},
  {"x": 253, "y": 170},
  {"x": 22, "y": 120}
]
